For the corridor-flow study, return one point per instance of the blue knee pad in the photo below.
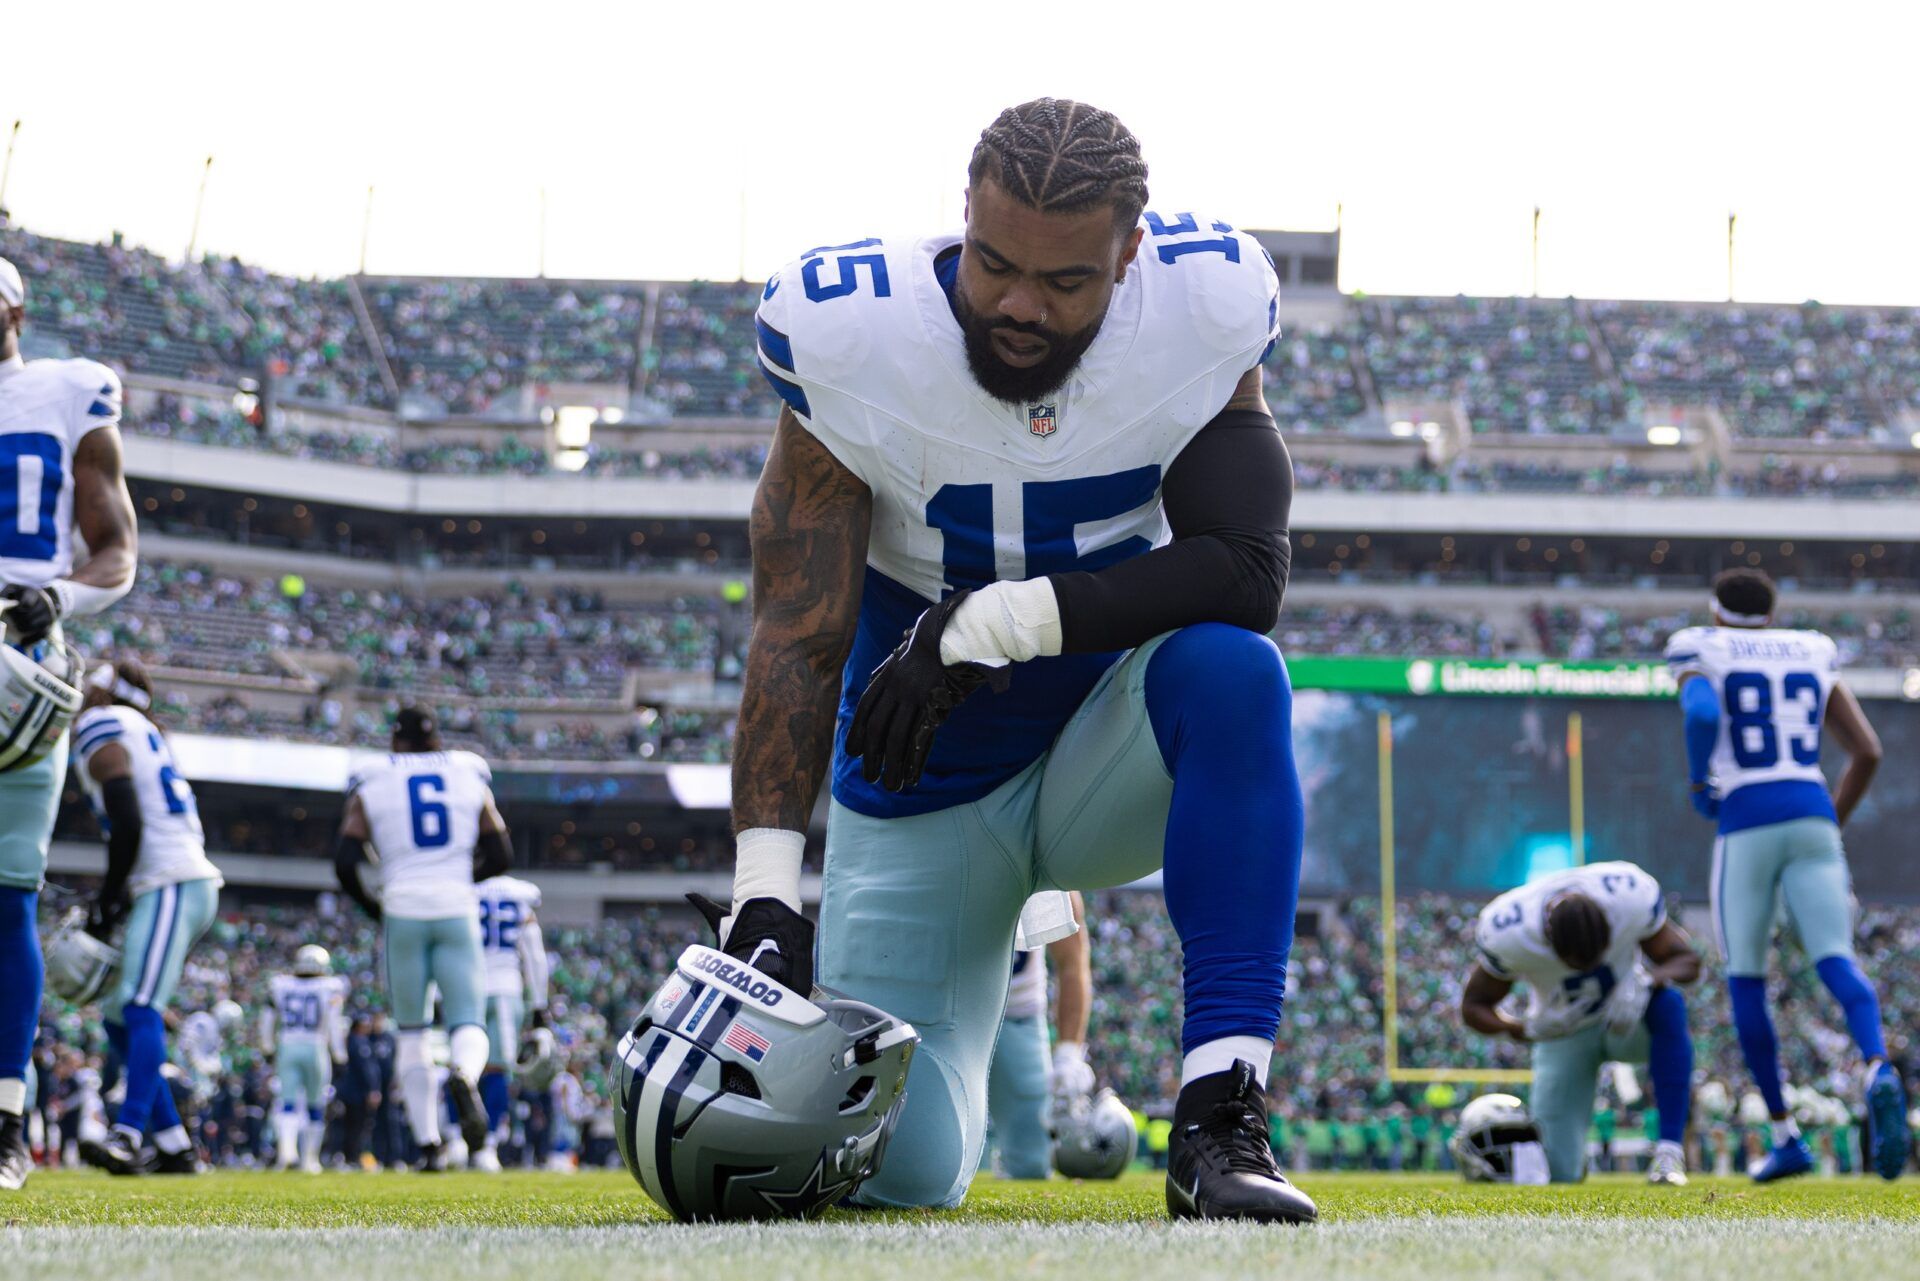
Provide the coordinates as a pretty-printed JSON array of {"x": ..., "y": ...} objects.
[
  {"x": 1221, "y": 707},
  {"x": 25, "y": 977},
  {"x": 1670, "y": 1061},
  {"x": 1850, "y": 987},
  {"x": 1758, "y": 1044}
]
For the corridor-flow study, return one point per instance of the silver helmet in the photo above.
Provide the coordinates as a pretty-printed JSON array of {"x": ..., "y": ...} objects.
[
  {"x": 38, "y": 701},
  {"x": 78, "y": 964},
  {"x": 312, "y": 961},
  {"x": 1095, "y": 1138},
  {"x": 1498, "y": 1142},
  {"x": 538, "y": 1060},
  {"x": 739, "y": 1098}
]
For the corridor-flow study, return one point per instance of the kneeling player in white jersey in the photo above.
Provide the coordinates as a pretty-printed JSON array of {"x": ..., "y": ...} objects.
[
  {"x": 310, "y": 1035},
  {"x": 1024, "y": 1093},
  {"x": 160, "y": 881},
  {"x": 428, "y": 815},
  {"x": 59, "y": 471},
  {"x": 516, "y": 986},
  {"x": 1600, "y": 960},
  {"x": 1016, "y": 552},
  {"x": 1756, "y": 699}
]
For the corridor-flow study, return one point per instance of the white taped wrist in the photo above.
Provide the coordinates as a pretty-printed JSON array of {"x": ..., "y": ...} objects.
[
  {"x": 70, "y": 597},
  {"x": 767, "y": 865},
  {"x": 1004, "y": 622},
  {"x": 1067, "y": 1052}
]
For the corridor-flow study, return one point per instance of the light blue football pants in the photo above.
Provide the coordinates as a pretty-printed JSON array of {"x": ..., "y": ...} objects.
[
  {"x": 917, "y": 913},
  {"x": 1566, "y": 1074},
  {"x": 1798, "y": 863},
  {"x": 1017, "y": 1094},
  {"x": 162, "y": 928},
  {"x": 305, "y": 1070},
  {"x": 506, "y": 1013},
  {"x": 445, "y": 953},
  {"x": 29, "y": 800}
]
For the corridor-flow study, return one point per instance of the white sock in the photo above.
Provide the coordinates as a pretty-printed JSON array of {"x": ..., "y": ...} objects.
[
  {"x": 418, "y": 1087},
  {"x": 286, "y": 1137},
  {"x": 1218, "y": 1056},
  {"x": 1668, "y": 1145},
  {"x": 467, "y": 1051},
  {"x": 173, "y": 1140},
  {"x": 13, "y": 1095},
  {"x": 310, "y": 1136},
  {"x": 1785, "y": 1131}
]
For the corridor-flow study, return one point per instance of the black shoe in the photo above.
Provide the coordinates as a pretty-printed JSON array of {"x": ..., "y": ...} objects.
[
  {"x": 182, "y": 1162},
  {"x": 1219, "y": 1164},
  {"x": 118, "y": 1153},
  {"x": 433, "y": 1159},
  {"x": 466, "y": 1104},
  {"x": 16, "y": 1158}
]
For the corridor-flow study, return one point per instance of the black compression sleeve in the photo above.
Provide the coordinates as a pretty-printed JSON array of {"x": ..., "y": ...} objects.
[
  {"x": 491, "y": 856},
  {"x": 348, "y": 857},
  {"x": 1227, "y": 498},
  {"x": 122, "y": 806}
]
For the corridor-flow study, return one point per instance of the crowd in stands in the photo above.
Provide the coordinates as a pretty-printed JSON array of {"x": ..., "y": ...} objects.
[
  {"x": 1333, "y": 1103},
  {"x": 686, "y": 349}
]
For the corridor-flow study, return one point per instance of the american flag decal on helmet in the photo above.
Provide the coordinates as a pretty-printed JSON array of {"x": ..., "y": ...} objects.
[{"x": 742, "y": 1039}]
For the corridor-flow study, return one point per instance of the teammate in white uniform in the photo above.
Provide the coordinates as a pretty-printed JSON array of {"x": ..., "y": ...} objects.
[
  {"x": 429, "y": 817},
  {"x": 1757, "y": 699},
  {"x": 59, "y": 471},
  {"x": 1024, "y": 1092},
  {"x": 160, "y": 879},
  {"x": 516, "y": 955},
  {"x": 1600, "y": 960},
  {"x": 1040, "y": 446},
  {"x": 310, "y": 1026}
]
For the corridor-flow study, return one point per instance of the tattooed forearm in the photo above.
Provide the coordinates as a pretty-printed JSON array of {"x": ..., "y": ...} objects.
[{"x": 809, "y": 530}]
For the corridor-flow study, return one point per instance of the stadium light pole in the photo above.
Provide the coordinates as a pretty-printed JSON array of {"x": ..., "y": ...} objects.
[
  {"x": 1730, "y": 221},
  {"x": 1536, "y": 251},
  {"x": 6, "y": 166},
  {"x": 199, "y": 206}
]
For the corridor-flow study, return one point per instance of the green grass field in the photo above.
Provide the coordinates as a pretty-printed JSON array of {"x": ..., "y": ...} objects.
[{"x": 474, "y": 1227}]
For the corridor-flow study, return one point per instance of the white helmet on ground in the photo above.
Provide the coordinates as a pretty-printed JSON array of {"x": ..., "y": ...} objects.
[
  {"x": 1096, "y": 1138},
  {"x": 78, "y": 964},
  {"x": 1498, "y": 1142},
  {"x": 312, "y": 961},
  {"x": 38, "y": 701},
  {"x": 738, "y": 1098}
]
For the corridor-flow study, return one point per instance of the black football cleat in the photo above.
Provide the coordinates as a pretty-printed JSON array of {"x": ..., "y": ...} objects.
[
  {"x": 186, "y": 1161},
  {"x": 118, "y": 1153},
  {"x": 472, "y": 1114},
  {"x": 433, "y": 1159},
  {"x": 16, "y": 1158},
  {"x": 1219, "y": 1163}
]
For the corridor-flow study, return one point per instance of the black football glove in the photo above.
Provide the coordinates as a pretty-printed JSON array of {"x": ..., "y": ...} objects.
[
  {"x": 909, "y": 696},
  {"x": 106, "y": 912},
  {"x": 766, "y": 934},
  {"x": 537, "y": 1017},
  {"x": 32, "y": 615}
]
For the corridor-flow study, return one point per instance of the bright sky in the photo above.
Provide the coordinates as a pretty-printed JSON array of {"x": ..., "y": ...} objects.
[{"x": 657, "y": 131}]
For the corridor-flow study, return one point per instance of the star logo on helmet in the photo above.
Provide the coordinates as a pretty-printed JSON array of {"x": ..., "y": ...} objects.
[{"x": 813, "y": 1194}]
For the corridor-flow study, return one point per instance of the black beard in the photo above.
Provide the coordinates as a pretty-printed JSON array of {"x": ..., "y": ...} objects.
[{"x": 1002, "y": 381}]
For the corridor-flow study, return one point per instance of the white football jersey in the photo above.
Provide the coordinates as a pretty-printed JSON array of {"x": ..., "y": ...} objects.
[
  {"x": 506, "y": 903},
  {"x": 46, "y": 408},
  {"x": 1027, "y": 990},
  {"x": 862, "y": 343},
  {"x": 423, "y": 810},
  {"x": 310, "y": 1010},
  {"x": 1511, "y": 936},
  {"x": 1772, "y": 685},
  {"x": 172, "y": 846}
]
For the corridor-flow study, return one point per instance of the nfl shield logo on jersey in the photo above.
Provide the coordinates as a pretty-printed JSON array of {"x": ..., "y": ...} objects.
[{"x": 1040, "y": 419}]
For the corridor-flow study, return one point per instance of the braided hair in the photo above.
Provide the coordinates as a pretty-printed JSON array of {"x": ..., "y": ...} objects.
[
  {"x": 1060, "y": 156},
  {"x": 1745, "y": 591},
  {"x": 1578, "y": 930}
]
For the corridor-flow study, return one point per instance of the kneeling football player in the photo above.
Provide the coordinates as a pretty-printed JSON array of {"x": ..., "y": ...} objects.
[{"x": 1601, "y": 962}]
